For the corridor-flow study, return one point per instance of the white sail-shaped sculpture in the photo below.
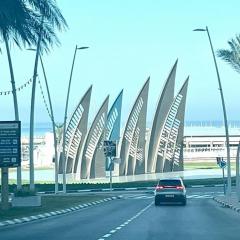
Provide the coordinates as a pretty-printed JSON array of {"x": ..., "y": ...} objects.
[
  {"x": 76, "y": 133},
  {"x": 170, "y": 146},
  {"x": 163, "y": 106},
  {"x": 114, "y": 120},
  {"x": 111, "y": 133},
  {"x": 89, "y": 167},
  {"x": 133, "y": 141}
]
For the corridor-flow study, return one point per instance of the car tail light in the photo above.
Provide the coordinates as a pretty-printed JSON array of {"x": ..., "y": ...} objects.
[
  {"x": 159, "y": 188},
  {"x": 179, "y": 187}
]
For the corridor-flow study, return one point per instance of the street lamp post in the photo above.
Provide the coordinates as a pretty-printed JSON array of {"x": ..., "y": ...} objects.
[
  {"x": 53, "y": 123},
  {"x": 65, "y": 120},
  {"x": 229, "y": 185},
  {"x": 31, "y": 127},
  {"x": 53, "y": 126}
]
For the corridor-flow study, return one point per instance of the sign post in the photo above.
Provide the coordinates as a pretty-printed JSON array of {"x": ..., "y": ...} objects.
[
  {"x": 222, "y": 164},
  {"x": 110, "y": 148},
  {"x": 10, "y": 153}
]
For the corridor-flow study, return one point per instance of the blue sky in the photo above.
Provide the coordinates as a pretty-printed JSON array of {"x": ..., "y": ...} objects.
[{"x": 129, "y": 41}]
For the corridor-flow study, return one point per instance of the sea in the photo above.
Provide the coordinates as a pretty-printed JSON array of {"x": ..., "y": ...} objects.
[
  {"x": 191, "y": 128},
  {"x": 40, "y": 129}
]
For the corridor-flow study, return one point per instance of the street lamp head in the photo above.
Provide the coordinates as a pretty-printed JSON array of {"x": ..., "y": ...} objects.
[
  {"x": 199, "y": 30},
  {"x": 79, "y": 48}
]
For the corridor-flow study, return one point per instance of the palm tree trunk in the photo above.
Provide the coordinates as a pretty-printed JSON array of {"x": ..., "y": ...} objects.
[
  {"x": 15, "y": 102},
  {"x": 31, "y": 137}
]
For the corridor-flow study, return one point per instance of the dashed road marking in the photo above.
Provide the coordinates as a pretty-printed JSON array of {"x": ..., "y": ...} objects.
[{"x": 125, "y": 223}]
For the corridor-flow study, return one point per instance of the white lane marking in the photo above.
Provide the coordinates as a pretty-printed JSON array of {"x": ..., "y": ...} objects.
[
  {"x": 192, "y": 196},
  {"x": 17, "y": 220},
  {"x": 125, "y": 223},
  {"x": 10, "y": 222},
  {"x": 198, "y": 186},
  {"x": 205, "y": 196},
  {"x": 107, "y": 235}
]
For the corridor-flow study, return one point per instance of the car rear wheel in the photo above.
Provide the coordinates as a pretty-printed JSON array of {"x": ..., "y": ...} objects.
[
  {"x": 156, "y": 202},
  {"x": 184, "y": 202}
]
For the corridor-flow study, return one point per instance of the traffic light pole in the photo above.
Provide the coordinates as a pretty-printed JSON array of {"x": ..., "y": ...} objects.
[{"x": 224, "y": 184}]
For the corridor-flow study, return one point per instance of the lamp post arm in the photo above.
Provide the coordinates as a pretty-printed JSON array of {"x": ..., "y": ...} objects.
[{"x": 225, "y": 117}]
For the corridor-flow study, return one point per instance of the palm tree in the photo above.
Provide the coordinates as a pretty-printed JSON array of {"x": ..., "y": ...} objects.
[
  {"x": 51, "y": 18},
  {"x": 232, "y": 57},
  {"x": 13, "y": 26},
  {"x": 21, "y": 21}
]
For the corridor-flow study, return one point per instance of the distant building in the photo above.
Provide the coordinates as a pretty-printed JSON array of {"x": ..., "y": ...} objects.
[{"x": 209, "y": 147}]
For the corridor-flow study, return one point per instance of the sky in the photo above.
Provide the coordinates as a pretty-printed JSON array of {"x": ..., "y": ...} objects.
[{"x": 128, "y": 42}]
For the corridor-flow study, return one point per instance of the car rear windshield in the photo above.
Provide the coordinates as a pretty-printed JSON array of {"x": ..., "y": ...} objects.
[{"x": 170, "y": 183}]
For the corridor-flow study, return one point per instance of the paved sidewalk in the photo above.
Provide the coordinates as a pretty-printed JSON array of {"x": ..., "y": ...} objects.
[{"x": 231, "y": 202}]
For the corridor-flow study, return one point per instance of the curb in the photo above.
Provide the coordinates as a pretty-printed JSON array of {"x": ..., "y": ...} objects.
[
  {"x": 54, "y": 213},
  {"x": 202, "y": 186},
  {"x": 102, "y": 190},
  {"x": 227, "y": 205},
  {"x": 127, "y": 189}
]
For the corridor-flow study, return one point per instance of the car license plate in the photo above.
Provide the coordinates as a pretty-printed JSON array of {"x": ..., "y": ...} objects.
[{"x": 169, "y": 196}]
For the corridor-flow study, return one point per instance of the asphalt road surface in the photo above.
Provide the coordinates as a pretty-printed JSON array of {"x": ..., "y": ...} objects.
[{"x": 136, "y": 217}]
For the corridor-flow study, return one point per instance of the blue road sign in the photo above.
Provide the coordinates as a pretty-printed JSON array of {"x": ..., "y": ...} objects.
[{"x": 223, "y": 164}]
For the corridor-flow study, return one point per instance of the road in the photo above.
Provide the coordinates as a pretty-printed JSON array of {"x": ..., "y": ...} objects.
[{"x": 135, "y": 217}]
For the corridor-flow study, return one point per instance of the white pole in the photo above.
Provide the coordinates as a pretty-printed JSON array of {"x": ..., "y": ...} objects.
[
  {"x": 65, "y": 120},
  {"x": 53, "y": 126},
  {"x": 111, "y": 165},
  {"x": 64, "y": 125},
  {"x": 31, "y": 135},
  {"x": 237, "y": 173},
  {"x": 229, "y": 181}
]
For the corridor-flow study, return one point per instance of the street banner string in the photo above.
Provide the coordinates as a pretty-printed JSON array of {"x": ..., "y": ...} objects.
[
  {"x": 45, "y": 102},
  {"x": 26, "y": 84}
]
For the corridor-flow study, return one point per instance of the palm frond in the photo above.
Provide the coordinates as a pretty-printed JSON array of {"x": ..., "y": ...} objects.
[
  {"x": 20, "y": 21},
  {"x": 50, "y": 11},
  {"x": 232, "y": 56}
]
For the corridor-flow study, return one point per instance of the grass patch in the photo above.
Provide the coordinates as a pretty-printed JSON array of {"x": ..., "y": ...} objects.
[
  {"x": 49, "y": 204},
  {"x": 203, "y": 165},
  {"x": 200, "y": 165}
]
